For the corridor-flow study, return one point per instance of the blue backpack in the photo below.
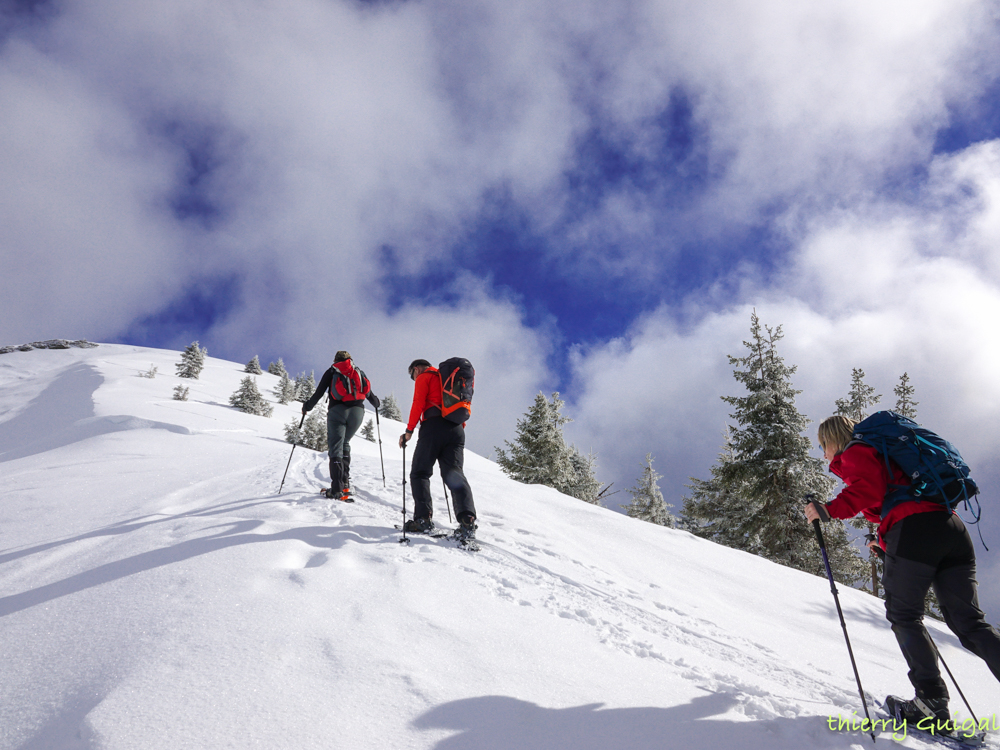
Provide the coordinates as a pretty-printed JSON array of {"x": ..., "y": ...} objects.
[{"x": 936, "y": 469}]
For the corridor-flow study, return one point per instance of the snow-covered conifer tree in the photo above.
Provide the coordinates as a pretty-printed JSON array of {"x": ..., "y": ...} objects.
[
  {"x": 905, "y": 405},
  {"x": 181, "y": 393},
  {"x": 390, "y": 409},
  {"x": 253, "y": 366},
  {"x": 248, "y": 399},
  {"x": 305, "y": 386},
  {"x": 539, "y": 454},
  {"x": 859, "y": 399},
  {"x": 314, "y": 430},
  {"x": 192, "y": 361},
  {"x": 583, "y": 485},
  {"x": 647, "y": 500},
  {"x": 761, "y": 485},
  {"x": 277, "y": 368},
  {"x": 284, "y": 391},
  {"x": 716, "y": 509},
  {"x": 368, "y": 431}
]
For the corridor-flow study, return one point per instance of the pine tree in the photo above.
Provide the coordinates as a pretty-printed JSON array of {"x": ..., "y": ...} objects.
[
  {"x": 905, "y": 405},
  {"x": 314, "y": 434},
  {"x": 248, "y": 399},
  {"x": 583, "y": 485},
  {"x": 305, "y": 386},
  {"x": 253, "y": 366},
  {"x": 716, "y": 509},
  {"x": 277, "y": 368},
  {"x": 368, "y": 431},
  {"x": 293, "y": 433},
  {"x": 859, "y": 399},
  {"x": 390, "y": 409},
  {"x": 539, "y": 454},
  {"x": 759, "y": 485},
  {"x": 647, "y": 500},
  {"x": 181, "y": 393},
  {"x": 192, "y": 361},
  {"x": 284, "y": 391}
]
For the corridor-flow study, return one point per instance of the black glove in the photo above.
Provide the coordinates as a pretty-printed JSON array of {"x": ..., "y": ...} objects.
[
  {"x": 373, "y": 400},
  {"x": 824, "y": 514},
  {"x": 877, "y": 548}
]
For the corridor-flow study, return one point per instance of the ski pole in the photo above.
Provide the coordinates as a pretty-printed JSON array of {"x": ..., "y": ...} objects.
[
  {"x": 404, "y": 540},
  {"x": 381, "y": 461},
  {"x": 840, "y": 612},
  {"x": 953, "y": 680},
  {"x": 301, "y": 421},
  {"x": 447, "y": 502}
]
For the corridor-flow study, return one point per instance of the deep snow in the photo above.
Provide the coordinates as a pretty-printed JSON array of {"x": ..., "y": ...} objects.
[{"x": 157, "y": 592}]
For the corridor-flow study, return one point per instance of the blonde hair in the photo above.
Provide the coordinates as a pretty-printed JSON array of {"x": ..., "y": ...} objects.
[{"x": 836, "y": 432}]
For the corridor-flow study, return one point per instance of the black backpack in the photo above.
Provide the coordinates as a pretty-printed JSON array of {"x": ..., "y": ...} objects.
[{"x": 458, "y": 378}]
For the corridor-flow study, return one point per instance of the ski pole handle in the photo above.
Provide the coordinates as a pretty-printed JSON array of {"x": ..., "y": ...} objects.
[{"x": 819, "y": 535}]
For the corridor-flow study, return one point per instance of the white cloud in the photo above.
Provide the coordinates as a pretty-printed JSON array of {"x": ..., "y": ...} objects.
[{"x": 334, "y": 129}]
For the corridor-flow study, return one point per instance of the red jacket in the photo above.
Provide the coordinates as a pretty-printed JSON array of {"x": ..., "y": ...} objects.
[
  {"x": 426, "y": 398},
  {"x": 867, "y": 480}
]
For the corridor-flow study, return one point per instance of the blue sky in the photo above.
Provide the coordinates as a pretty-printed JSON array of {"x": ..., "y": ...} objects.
[{"x": 578, "y": 197}]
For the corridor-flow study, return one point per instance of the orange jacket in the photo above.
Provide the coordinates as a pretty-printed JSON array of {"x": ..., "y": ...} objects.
[{"x": 426, "y": 398}]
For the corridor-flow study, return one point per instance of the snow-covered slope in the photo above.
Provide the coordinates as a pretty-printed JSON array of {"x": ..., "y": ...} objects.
[{"x": 157, "y": 592}]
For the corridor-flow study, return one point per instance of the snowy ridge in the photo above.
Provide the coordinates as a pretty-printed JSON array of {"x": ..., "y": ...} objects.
[{"x": 156, "y": 592}]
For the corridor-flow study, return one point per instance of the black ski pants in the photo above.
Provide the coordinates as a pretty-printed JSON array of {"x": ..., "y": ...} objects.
[
  {"x": 443, "y": 442},
  {"x": 342, "y": 421},
  {"x": 934, "y": 550}
]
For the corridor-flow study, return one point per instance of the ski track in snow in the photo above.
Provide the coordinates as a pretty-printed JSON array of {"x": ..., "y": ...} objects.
[{"x": 619, "y": 618}]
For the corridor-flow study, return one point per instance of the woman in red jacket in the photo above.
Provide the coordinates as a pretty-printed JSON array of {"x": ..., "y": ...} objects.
[
  {"x": 348, "y": 387},
  {"x": 925, "y": 546}
]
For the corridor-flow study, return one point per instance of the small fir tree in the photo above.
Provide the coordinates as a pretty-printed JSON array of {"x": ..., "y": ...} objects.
[
  {"x": 312, "y": 433},
  {"x": 192, "y": 361},
  {"x": 277, "y": 368},
  {"x": 539, "y": 454},
  {"x": 305, "y": 386},
  {"x": 647, "y": 500},
  {"x": 253, "y": 366},
  {"x": 368, "y": 431},
  {"x": 284, "y": 391},
  {"x": 390, "y": 409},
  {"x": 181, "y": 393},
  {"x": 716, "y": 509},
  {"x": 905, "y": 405},
  {"x": 248, "y": 399},
  {"x": 150, "y": 373},
  {"x": 769, "y": 472},
  {"x": 583, "y": 485},
  {"x": 859, "y": 399}
]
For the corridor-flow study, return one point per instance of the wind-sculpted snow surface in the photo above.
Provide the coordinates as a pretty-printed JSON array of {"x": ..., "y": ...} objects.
[{"x": 157, "y": 592}]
